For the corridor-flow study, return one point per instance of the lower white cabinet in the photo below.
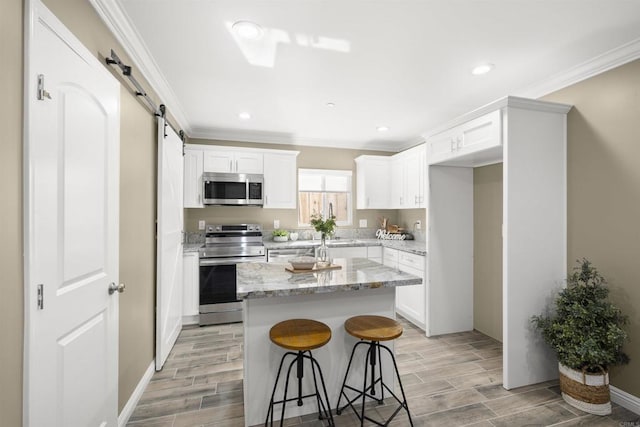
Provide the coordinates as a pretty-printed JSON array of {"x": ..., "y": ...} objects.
[
  {"x": 374, "y": 253},
  {"x": 190, "y": 288},
  {"x": 410, "y": 300},
  {"x": 348, "y": 252}
]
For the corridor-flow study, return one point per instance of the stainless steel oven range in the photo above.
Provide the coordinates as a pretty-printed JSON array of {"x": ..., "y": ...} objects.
[{"x": 225, "y": 246}]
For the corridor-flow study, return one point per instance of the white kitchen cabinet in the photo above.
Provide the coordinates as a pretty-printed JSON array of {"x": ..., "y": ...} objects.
[
  {"x": 410, "y": 300},
  {"x": 280, "y": 180},
  {"x": 390, "y": 257},
  {"x": 374, "y": 253},
  {"x": 193, "y": 164},
  {"x": 190, "y": 288},
  {"x": 398, "y": 177},
  {"x": 373, "y": 182},
  {"x": 408, "y": 178},
  {"x": 348, "y": 252},
  {"x": 219, "y": 160},
  {"x": 474, "y": 143}
]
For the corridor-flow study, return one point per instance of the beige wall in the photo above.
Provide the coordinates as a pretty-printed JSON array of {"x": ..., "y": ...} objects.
[
  {"x": 604, "y": 192},
  {"x": 487, "y": 250},
  {"x": 138, "y": 149},
  {"x": 309, "y": 157},
  {"x": 11, "y": 289}
]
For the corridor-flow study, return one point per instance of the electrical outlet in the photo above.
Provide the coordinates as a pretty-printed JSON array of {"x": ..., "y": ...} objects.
[
  {"x": 418, "y": 225},
  {"x": 276, "y": 223},
  {"x": 201, "y": 224},
  {"x": 363, "y": 223}
]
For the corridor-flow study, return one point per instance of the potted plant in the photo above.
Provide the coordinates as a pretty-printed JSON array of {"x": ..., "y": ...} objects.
[
  {"x": 325, "y": 227},
  {"x": 280, "y": 235},
  {"x": 586, "y": 332}
]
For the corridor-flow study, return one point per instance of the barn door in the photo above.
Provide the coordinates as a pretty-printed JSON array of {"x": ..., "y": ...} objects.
[{"x": 169, "y": 255}]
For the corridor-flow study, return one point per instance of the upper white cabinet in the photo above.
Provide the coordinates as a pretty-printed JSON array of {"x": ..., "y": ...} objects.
[
  {"x": 372, "y": 182},
  {"x": 392, "y": 182},
  {"x": 475, "y": 143},
  {"x": 193, "y": 162},
  {"x": 222, "y": 160},
  {"x": 408, "y": 178},
  {"x": 280, "y": 180}
]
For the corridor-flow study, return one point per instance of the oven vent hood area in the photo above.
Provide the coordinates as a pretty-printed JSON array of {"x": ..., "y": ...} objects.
[{"x": 232, "y": 189}]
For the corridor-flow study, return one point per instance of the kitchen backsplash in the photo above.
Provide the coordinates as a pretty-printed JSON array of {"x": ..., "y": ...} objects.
[{"x": 307, "y": 234}]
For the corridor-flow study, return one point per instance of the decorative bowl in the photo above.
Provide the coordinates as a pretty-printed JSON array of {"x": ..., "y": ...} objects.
[
  {"x": 280, "y": 238},
  {"x": 303, "y": 263}
]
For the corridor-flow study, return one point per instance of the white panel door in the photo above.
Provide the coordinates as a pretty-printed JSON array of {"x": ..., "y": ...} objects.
[
  {"x": 169, "y": 258},
  {"x": 71, "y": 231}
]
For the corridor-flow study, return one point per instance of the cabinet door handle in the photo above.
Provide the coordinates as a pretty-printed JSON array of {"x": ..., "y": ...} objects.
[
  {"x": 415, "y": 201},
  {"x": 236, "y": 166},
  {"x": 453, "y": 144},
  {"x": 458, "y": 143},
  {"x": 230, "y": 165},
  {"x": 400, "y": 200}
]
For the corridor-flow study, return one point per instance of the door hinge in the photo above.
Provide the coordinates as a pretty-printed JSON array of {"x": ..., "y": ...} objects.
[
  {"x": 42, "y": 94},
  {"x": 40, "y": 297}
]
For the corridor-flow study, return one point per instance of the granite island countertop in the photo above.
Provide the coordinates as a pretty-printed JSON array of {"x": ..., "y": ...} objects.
[
  {"x": 412, "y": 246},
  {"x": 264, "y": 280}
]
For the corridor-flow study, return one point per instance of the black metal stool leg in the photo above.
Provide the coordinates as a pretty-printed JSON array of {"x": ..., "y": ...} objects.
[
  {"x": 273, "y": 394},
  {"x": 404, "y": 403},
  {"x": 326, "y": 410},
  {"x": 344, "y": 382},
  {"x": 300, "y": 374}
]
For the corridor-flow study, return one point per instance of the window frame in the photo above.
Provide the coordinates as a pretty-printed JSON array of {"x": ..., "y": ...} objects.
[{"x": 323, "y": 173}]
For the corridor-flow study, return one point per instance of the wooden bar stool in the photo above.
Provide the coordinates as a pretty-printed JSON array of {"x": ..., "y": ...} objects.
[
  {"x": 371, "y": 330},
  {"x": 301, "y": 336}
]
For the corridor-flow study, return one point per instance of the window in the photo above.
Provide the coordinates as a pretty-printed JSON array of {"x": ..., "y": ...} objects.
[{"x": 317, "y": 188}]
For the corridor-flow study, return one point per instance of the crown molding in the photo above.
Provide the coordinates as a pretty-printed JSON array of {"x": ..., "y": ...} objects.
[
  {"x": 613, "y": 58},
  {"x": 118, "y": 22},
  {"x": 527, "y": 97},
  {"x": 289, "y": 139}
]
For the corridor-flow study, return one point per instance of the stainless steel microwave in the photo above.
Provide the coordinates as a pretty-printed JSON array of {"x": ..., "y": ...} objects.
[{"x": 232, "y": 189}]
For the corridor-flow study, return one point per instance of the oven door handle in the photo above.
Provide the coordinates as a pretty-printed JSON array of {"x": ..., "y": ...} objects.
[{"x": 204, "y": 262}]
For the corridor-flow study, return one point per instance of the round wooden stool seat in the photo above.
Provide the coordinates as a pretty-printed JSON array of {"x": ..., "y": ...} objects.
[
  {"x": 300, "y": 334},
  {"x": 373, "y": 328}
]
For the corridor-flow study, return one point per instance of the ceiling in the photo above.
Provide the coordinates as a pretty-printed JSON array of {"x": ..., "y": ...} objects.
[{"x": 404, "y": 64}]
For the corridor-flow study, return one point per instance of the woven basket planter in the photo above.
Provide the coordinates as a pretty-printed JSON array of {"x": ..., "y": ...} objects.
[{"x": 587, "y": 392}]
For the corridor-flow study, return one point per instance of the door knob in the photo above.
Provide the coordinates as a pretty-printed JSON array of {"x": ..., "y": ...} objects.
[{"x": 116, "y": 288}]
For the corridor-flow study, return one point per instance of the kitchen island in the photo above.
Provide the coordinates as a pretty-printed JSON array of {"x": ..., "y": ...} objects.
[{"x": 272, "y": 294}]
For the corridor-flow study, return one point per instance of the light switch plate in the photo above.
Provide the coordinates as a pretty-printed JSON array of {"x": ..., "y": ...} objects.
[
  {"x": 276, "y": 223},
  {"x": 418, "y": 225},
  {"x": 201, "y": 224},
  {"x": 363, "y": 223}
]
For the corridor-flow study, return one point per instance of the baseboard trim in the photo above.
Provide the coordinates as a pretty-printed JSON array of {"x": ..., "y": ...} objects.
[
  {"x": 625, "y": 399},
  {"x": 127, "y": 411}
]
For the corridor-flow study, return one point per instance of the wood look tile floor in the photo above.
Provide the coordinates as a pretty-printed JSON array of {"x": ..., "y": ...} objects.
[{"x": 451, "y": 380}]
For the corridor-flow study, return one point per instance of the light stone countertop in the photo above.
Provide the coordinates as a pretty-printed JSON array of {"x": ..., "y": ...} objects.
[
  {"x": 263, "y": 280},
  {"x": 191, "y": 247},
  {"x": 412, "y": 246}
]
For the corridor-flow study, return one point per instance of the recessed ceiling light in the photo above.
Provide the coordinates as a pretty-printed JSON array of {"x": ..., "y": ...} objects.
[
  {"x": 248, "y": 30},
  {"x": 480, "y": 69},
  {"x": 330, "y": 104},
  {"x": 382, "y": 128},
  {"x": 244, "y": 115}
]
